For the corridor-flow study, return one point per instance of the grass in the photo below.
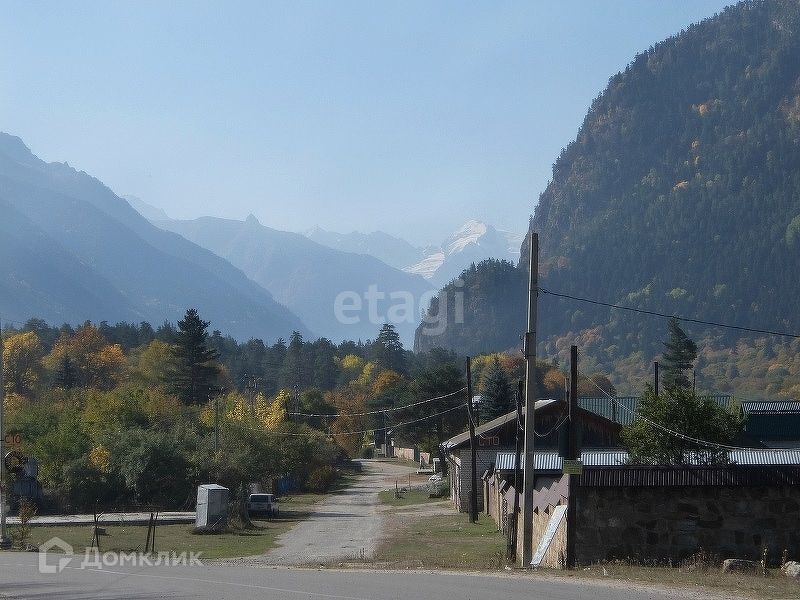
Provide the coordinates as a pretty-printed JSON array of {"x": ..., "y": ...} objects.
[
  {"x": 444, "y": 542},
  {"x": 180, "y": 538}
]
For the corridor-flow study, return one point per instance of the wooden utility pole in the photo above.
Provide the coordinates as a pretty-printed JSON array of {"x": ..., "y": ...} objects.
[
  {"x": 473, "y": 485},
  {"x": 573, "y": 453},
  {"x": 511, "y": 548},
  {"x": 216, "y": 424},
  {"x": 655, "y": 376},
  {"x": 530, "y": 402}
]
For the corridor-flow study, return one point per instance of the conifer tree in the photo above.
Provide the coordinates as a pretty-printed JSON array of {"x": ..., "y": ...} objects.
[
  {"x": 496, "y": 397},
  {"x": 388, "y": 350},
  {"x": 192, "y": 376},
  {"x": 679, "y": 356}
]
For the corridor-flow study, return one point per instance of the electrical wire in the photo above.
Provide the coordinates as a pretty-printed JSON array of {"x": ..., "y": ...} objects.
[
  {"x": 672, "y": 432},
  {"x": 361, "y": 432},
  {"x": 379, "y": 411},
  {"x": 668, "y": 316}
]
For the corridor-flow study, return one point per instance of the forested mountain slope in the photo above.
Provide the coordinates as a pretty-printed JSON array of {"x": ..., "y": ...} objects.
[{"x": 680, "y": 194}]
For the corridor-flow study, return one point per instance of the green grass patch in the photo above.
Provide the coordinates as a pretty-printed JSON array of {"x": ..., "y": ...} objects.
[
  {"x": 170, "y": 538},
  {"x": 446, "y": 542},
  {"x": 181, "y": 538}
]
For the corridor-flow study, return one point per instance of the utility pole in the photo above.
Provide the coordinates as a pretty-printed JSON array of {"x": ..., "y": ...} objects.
[
  {"x": 573, "y": 453},
  {"x": 473, "y": 486},
  {"x": 655, "y": 376},
  {"x": 216, "y": 424},
  {"x": 530, "y": 402},
  {"x": 4, "y": 541},
  {"x": 511, "y": 549}
]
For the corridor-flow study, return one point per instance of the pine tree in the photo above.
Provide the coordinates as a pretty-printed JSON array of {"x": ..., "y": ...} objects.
[
  {"x": 388, "y": 350},
  {"x": 193, "y": 374},
  {"x": 496, "y": 397},
  {"x": 679, "y": 356}
]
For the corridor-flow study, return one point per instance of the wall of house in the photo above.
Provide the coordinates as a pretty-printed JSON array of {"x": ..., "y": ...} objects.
[
  {"x": 671, "y": 523},
  {"x": 460, "y": 465}
]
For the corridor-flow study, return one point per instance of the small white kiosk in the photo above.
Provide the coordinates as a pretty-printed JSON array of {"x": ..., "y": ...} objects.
[{"x": 212, "y": 507}]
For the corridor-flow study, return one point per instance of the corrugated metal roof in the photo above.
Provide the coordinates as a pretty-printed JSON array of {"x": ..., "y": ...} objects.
[
  {"x": 770, "y": 406},
  {"x": 738, "y": 475},
  {"x": 550, "y": 461}
]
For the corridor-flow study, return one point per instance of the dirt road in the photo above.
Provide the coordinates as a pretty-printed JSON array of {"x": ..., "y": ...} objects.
[{"x": 345, "y": 526}]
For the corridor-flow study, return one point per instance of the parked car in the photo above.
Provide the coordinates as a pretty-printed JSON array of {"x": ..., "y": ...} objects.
[{"x": 262, "y": 505}]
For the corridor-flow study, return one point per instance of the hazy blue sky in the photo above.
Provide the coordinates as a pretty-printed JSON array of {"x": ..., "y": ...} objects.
[{"x": 408, "y": 117}]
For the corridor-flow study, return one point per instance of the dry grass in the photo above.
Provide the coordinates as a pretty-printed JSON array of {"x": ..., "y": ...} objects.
[{"x": 441, "y": 541}]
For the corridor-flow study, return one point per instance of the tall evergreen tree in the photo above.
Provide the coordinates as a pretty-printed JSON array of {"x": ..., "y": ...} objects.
[
  {"x": 496, "y": 397},
  {"x": 192, "y": 377},
  {"x": 387, "y": 350},
  {"x": 679, "y": 356}
]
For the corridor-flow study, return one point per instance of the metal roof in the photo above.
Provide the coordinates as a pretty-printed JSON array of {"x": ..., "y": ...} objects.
[
  {"x": 550, "y": 461},
  {"x": 770, "y": 406},
  {"x": 489, "y": 426}
]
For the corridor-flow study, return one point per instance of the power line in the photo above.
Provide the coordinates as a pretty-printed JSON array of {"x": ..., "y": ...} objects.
[
  {"x": 654, "y": 313},
  {"x": 672, "y": 432},
  {"x": 392, "y": 426},
  {"x": 375, "y": 412}
]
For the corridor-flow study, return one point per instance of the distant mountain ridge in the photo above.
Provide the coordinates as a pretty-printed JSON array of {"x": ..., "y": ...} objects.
[
  {"x": 474, "y": 242},
  {"x": 312, "y": 278},
  {"x": 72, "y": 250},
  {"x": 471, "y": 243}
]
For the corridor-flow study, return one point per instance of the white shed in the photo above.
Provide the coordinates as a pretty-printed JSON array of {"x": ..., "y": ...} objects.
[{"x": 212, "y": 506}]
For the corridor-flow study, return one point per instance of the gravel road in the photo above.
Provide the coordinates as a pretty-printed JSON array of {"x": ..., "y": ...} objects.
[{"x": 343, "y": 527}]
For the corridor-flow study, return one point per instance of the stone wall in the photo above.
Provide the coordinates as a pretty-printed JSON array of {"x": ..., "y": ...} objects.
[{"x": 670, "y": 523}]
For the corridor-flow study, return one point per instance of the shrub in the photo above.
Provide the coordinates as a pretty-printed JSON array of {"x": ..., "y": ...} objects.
[{"x": 321, "y": 479}]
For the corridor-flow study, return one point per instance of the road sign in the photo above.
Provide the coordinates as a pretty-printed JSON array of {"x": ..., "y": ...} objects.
[{"x": 572, "y": 467}]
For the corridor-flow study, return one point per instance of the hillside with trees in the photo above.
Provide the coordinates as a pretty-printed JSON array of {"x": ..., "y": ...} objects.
[{"x": 679, "y": 195}]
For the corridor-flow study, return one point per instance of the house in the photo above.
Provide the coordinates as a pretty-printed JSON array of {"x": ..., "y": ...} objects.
[
  {"x": 772, "y": 423},
  {"x": 657, "y": 513},
  {"x": 500, "y": 435}
]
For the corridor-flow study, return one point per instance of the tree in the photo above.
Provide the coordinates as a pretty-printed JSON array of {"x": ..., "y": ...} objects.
[
  {"x": 86, "y": 359},
  {"x": 193, "y": 373},
  {"x": 22, "y": 363},
  {"x": 387, "y": 350},
  {"x": 496, "y": 396},
  {"x": 679, "y": 410},
  {"x": 679, "y": 355}
]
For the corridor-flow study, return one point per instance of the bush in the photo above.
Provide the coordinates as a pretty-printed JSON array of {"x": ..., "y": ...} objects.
[
  {"x": 321, "y": 479},
  {"x": 368, "y": 452}
]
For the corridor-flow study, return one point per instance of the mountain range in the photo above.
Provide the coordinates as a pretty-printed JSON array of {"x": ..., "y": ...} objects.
[
  {"x": 313, "y": 279},
  {"x": 72, "y": 250},
  {"x": 679, "y": 195},
  {"x": 438, "y": 263}
]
